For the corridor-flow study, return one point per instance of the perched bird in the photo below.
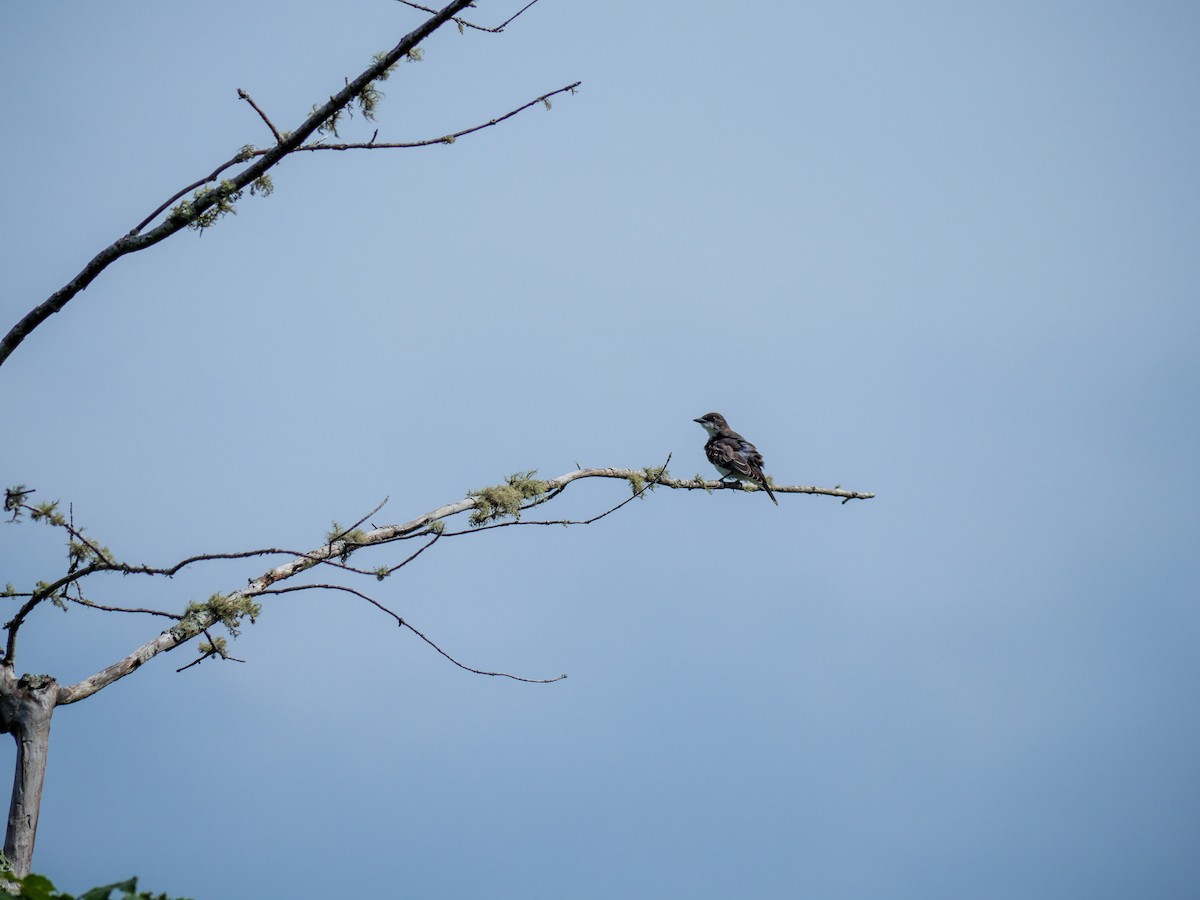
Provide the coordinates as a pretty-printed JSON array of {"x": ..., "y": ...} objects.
[{"x": 731, "y": 454}]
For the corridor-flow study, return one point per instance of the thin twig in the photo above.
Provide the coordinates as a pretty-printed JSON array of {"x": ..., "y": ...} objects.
[
  {"x": 403, "y": 624},
  {"x": 394, "y": 568},
  {"x": 481, "y": 671},
  {"x": 262, "y": 115},
  {"x": 217, "y": 647},
  {"x": 214, "y": 650},
  {"x": 463, "y": 23},
  {"x": 645, "y": 487},
  {"x": 346, "y": 531},
  {"x": 333, "y": 587},
  {"x": 428, "y": 142},
  {"x": 123, "y": 609},
  {"x": 212, "y": 176}
]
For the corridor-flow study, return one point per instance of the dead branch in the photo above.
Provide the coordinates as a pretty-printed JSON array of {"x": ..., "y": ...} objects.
[
  {"x": 643, "y": 479},
  {"x": 262, "y": 115},
  {"x": 444, "y": 139},
  {"x": 259, "y": 164},
  {"x": 463, "y": 23},
  {"x": 90, "y": 604},
  {"x": 405, "y": 624}
]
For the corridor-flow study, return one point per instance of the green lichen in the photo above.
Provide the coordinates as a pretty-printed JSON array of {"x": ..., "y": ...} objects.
[
  {"x": 217, "y": 645},
  {"x": 14, "y": 498},
  {"x": 262, "y": 186},
  {"x": 640, "y": 481},
  {"x": 501, "y": 501},
  {"x": 81, "y": 553},
  {"x": 350, "y": 539},
  {"x": 228, "y": 609}
]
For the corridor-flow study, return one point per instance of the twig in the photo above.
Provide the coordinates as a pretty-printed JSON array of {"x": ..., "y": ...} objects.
[
  {"x": 212, "y": 176},
  {"x": 214, "y": 650},
  {"x": 394, "y": 568},
  {"x": 262, "y": 115},
  {"x": 346, "y": 531},
  {"x": 463, "y": 23},
  {"x": 481, "y": 671},
  {"x": 428, "y": 142},
  {"x": 370, "y": 145},
  {"x": 403, "y": 624},
  {"x": 123, "y": 609},
  {"x": 647, "y": 486}
]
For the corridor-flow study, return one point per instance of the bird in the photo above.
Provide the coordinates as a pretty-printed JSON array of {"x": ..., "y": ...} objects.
[{"x": 731, "y": 454}]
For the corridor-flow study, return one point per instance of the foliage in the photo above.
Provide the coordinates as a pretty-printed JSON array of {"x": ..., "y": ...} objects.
[{"x": 39, "y": 887}]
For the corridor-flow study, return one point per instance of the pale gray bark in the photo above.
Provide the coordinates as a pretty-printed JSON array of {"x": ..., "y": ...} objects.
[{"x": 26, "y": 705}]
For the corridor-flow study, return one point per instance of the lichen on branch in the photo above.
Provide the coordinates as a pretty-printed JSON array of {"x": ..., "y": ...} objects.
[
  {"x": 501, "y": 501},
  {"x": 228, "y": 609}
]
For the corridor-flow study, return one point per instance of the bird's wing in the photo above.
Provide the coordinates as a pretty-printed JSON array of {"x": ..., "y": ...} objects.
[{"x": 727, "y": 453}]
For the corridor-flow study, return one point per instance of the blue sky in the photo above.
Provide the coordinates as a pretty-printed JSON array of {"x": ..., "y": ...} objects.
[{"x": 945, "y": 253}]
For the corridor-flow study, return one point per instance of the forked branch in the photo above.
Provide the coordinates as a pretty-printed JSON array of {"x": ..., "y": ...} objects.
[
  {"x": 213, "y": 201},
  {"x": 463, "y": 23},
  {"x": 532, "y": 493}
]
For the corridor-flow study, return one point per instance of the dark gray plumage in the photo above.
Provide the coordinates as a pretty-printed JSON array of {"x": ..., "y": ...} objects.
[{"x": 731, "y": 454}]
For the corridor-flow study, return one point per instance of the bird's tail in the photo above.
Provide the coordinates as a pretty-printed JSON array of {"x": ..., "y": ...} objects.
[{"x": 767, "y": 488}]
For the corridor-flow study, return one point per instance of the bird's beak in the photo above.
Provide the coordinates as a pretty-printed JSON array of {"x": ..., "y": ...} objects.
[{"x": 698, "y": 421}]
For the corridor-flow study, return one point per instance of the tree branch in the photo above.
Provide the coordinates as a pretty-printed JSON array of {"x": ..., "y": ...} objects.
[
  {"x": 404, "y": 624},
  {"x": 124, "y": 609},
  {"x": 135, "y": 240},
  {"x": 444, "y": 139},
  {"x": 463, "y": 23},
  {"x": 643, "y": 479},
  {"x": 262, "y": 115}
]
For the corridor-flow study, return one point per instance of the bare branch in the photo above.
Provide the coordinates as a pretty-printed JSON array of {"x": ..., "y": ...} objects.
[
  {"x": 444, "y": 139},
  {"x": 481, "y": 671},
  {"x": 334, "y": 587},
  {"x": 346, "y": 531},
  {"x": 135, "y": 240},
  {"x": 463, "y": 23},
  {"x": 401, "y": 565},
  {"x": 659, "y": 474},
  {"x": 123, "y": 609},
  {"x": 262, "y": 115},
  {"x": 403, "y": 624},
  {"x": 215, "y": 648},
  {"x": 183, "y": 632},
  {"x": 196, "y": 661},
  {"x": 162, "y": 207}
]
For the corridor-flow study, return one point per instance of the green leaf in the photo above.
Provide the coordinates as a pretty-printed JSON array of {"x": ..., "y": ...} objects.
[
  {"x": 129, "y": 888},
  {"x": 39, "y": 887}
]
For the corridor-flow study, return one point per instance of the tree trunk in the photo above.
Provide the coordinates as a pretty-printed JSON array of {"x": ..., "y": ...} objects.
[{"x": 26, "y": 705}]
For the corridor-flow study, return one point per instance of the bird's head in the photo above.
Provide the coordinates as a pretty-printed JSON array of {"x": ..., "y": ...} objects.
[{"x": 712, "y": 423}]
